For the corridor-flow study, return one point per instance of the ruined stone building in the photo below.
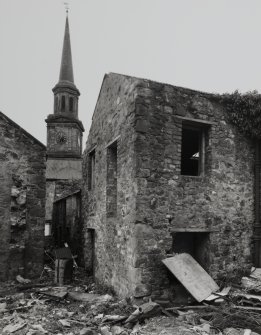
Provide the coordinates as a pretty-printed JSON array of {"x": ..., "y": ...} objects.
[
  {"x": 64, "y": 151},
  {"x": 164, "y": 172},
  {"x": 22, "y": 201}
]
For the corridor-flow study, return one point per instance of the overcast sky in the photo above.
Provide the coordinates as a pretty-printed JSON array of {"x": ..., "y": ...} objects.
[{"x": 207, "y": 45}]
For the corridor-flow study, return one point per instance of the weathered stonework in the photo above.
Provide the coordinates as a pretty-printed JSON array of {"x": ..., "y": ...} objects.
[
  {"x": 114, "y": 234},
  {"x": 156, "y": 204},
  {"x": 22, "y": 201}
]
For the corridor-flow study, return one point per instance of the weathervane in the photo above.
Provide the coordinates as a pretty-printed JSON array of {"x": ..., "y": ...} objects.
[{"x": 66, "y": 6}]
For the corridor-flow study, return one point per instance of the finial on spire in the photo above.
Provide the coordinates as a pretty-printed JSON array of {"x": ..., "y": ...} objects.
[
  {"x": 66, "y": 70},
  {"x": 66, "y": 6}
]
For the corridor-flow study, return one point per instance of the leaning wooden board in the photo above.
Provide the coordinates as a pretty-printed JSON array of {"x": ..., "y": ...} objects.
[{"x": 192, "y": 276}]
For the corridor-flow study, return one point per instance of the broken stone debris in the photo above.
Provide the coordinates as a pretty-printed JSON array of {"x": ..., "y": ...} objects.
[
  {"x": 143, "y": 312},
  {"x": 86, "y": 331},
  {"x": 65, "y": 322},
  {"x": 216, "y": 296},
  {"x": 3, "y": 307},
  {"x": 22, "y": 280},
  {"x": 84, "y": 297},
  {"x": 251, "y": 283},
  {"x": 55, "y": 293},
  {"x": 14, "y": 328},
  {"x": 39, "y": 328},
  {"x": 95, "y": 313}
]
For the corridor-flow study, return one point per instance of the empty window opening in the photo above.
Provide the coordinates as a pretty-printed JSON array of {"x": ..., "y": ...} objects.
[
  {"x": 63, "y": 103},
  {"x": 71, "y": 104},
  {"x": 194, "y": 243},
  {"x": 56, "y": 104},
  {"x": 91, "y": 170},
  {"x": 111, "y": 189},
  {"x": 192, "y": 151}
]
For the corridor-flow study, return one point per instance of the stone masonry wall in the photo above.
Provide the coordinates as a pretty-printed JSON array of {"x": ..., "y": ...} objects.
[
  {"x": 114, "y": 246},
  {"x": 156, "y": 205},
  {"x": 219, "y": 203},
  {"x": 22, "y": 202}
]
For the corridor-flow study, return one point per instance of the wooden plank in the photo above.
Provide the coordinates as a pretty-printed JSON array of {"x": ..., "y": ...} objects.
[{"x": 192, "y": 276}]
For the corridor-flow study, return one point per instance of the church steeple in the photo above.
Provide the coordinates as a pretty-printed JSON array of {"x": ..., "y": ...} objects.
[
  {"x": 64, "y": 129},
  {"x": 65, "y": 92},
  {"x": 66, "y": 70}
]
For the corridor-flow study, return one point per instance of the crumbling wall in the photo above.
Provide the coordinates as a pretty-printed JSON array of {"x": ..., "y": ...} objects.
[
  {"x": 108, "y": 217},
  {"x": 22, "y": 202},
  {"x": 219, "y": 202}
]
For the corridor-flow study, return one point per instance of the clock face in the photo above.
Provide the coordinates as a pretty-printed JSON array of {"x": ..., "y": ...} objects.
[{"x": 61, "y": 137}]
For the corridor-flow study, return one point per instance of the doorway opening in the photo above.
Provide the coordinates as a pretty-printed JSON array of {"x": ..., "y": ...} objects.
[{"x": 194, "y": 243}]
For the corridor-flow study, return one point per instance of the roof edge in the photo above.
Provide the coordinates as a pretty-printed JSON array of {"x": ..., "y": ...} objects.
[
  {"x": 6, "y": 118},
  {"x": 210, "y": 94}
]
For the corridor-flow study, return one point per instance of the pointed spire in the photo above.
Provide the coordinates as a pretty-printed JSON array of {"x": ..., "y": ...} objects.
[{"x": 66, "y": 70}]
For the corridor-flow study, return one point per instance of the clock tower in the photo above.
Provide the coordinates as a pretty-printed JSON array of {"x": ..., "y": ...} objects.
[{"x": 64, "y": 129}]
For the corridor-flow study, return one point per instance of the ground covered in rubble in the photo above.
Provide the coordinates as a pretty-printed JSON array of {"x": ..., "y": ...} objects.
[{"x": 40, "y": 307}]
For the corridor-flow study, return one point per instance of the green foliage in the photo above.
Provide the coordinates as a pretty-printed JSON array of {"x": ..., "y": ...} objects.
[{"x": 244, "y": 110}]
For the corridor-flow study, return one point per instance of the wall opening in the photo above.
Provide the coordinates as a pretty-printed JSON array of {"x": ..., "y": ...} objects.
[
  {"x": 91, "y": 170},
  {"x": 71, "y": 104},
  {"x": 111, "y": 188},
  {"x": 61, "y": 233},
  {"x": 197, "y": 245},
  {"x": 56, "y": 104},
  {"x": 63, "y": 104},
  {"x": 90, "y": 251},
  {"x": 192, "y": 151},
  {"x": 194, "y": 243}
]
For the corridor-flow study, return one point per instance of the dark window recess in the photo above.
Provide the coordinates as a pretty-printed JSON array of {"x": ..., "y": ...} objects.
[
  {"x": 192, "y": 151},
  {"x": 63, "y": 103},
  {"x": 91, "y": 170},
  {"x": 56, "y": 105},
  {"x": 71, "y": 104},
  {"x": 111, "y": 189}
]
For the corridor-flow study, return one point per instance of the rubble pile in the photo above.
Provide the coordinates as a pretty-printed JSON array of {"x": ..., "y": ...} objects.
[{"x": 41, "y": 307}]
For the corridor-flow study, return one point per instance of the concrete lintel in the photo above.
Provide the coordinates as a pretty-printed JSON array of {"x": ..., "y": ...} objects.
[
  {"x": 193, "y": 230},
  {"x": 114, "y": 140},
  {"x": 92, "y": 149},
  {"x": 199, "y": 121}
]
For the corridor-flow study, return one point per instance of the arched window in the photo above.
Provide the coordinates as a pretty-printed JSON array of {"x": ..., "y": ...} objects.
[
  {"x": 63, "y": 103},
  {"x": 71, "y": 104}
]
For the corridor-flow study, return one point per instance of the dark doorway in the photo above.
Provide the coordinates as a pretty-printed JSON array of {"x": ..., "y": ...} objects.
[
  {"x": 197, "y": 245},
  {"x": 60, "y": 231},
  {"x": 90, "y": 252},
  {"x": 194, "y": 243}
]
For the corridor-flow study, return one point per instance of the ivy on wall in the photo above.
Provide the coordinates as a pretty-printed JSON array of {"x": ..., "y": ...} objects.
[{"x": 244, "y": 110}]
